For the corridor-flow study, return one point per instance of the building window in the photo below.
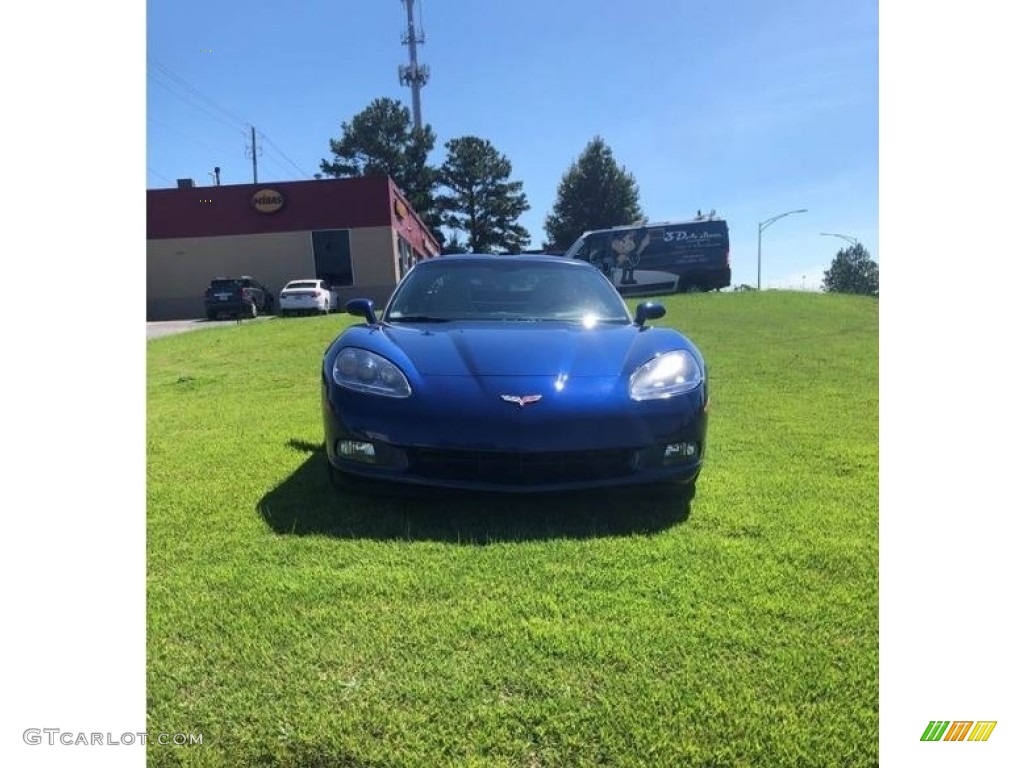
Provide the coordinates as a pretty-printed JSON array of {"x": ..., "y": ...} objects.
[
  {"x": 406, "y": 257},
  {"x": 332, "y": 256}
]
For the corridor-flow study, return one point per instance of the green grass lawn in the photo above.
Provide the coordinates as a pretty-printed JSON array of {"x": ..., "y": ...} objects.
[{"x": 294, "y": 625}]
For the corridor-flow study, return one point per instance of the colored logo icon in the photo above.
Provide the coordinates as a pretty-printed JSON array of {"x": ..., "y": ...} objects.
[{"x": 958, "y": 730}]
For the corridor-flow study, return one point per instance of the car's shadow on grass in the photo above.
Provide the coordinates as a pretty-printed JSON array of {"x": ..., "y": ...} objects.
[{"x": 309, "y": 503}]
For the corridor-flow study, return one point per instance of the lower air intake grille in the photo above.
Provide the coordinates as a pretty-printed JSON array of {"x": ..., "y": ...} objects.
[{"x": 504, "y": 468}]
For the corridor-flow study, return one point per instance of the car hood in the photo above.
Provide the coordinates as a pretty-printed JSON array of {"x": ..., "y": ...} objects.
[{"x": 537, "y": 349}]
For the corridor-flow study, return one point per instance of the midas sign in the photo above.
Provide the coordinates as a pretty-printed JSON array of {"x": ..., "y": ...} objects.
[{"x": 267, "y": 201}]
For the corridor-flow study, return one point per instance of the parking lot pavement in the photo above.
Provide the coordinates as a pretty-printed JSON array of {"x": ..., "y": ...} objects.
[{"x": 167, "y": 327}]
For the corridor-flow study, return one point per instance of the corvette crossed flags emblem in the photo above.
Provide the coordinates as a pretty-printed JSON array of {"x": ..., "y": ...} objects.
[{"x": 521, "y": 400}]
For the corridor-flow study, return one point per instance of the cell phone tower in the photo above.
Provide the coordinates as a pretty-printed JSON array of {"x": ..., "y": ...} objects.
[{"x": 413, "y": 74}]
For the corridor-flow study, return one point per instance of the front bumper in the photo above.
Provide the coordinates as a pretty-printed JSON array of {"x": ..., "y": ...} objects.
[{"x": 477, "y": 446}]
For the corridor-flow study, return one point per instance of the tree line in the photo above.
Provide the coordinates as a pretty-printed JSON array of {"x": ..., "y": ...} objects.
[{"x": 472, "y": 194}]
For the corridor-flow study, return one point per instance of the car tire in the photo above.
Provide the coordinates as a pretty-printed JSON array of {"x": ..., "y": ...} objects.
[{"x": 211, "y": 314}]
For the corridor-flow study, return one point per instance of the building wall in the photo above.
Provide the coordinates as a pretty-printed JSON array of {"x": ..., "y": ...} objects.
[
  {"x": 307, "y": 205},
  {"x": 179, "y": 269},
  {"x": 374, "y": 265},
  {"x": 407, "y": 223},
  {"x": 373, "y": 256},
  {"x": 198, "y": 233}
]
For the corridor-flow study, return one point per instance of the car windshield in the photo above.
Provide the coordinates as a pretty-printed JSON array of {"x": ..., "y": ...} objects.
[
  {"x": 506, "y": 290},
  {"x": 223, "y": 285},
  {"x": 301, "y": 284}
]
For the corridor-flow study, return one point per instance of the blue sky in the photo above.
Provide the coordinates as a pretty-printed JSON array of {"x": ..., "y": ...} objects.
[{"x": 748, "y": 108}]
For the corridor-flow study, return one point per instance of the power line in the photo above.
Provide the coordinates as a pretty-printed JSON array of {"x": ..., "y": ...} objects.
[
  {"x": 159, "y": 175},
  {"x": 192, "y": 104},
  {"x": 188, "y": 136},
  {"x": 237, "y": 121},
  {"x": 192, "y": 89},
  {"x": 277, "y": 149},
  {"x": 287, "y": 173}
]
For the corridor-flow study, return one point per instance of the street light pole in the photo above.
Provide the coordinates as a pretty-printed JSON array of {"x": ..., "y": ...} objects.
[
  {"x": 847, "y": 238},
  {"x": 761, "y": 227}
]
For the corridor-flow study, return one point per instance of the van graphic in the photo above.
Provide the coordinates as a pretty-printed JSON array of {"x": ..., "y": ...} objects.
[{"x": 666, "y": 257}]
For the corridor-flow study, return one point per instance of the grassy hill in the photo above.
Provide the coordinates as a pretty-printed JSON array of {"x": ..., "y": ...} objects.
[{"x": 293, "y": 625}]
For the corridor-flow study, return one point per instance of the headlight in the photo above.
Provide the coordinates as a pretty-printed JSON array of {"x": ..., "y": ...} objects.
[
  {"x": 366, "y": 372},
  {"x": 667, "y": 375}
]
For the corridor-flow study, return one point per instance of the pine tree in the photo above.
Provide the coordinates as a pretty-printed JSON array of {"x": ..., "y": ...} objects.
[
  {"x": 594, "y": 193},
  {"x": 479, "y": 200}
]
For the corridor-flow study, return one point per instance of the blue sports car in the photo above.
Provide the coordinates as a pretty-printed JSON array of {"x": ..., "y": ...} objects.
[{"x": 513, "y": 373}]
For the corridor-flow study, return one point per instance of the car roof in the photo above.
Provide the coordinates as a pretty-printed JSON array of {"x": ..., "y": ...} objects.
[{"x": 485, "y": 258}]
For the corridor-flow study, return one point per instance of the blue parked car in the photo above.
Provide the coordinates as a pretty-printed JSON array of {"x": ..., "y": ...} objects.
[{"x": 513, "y": 373}]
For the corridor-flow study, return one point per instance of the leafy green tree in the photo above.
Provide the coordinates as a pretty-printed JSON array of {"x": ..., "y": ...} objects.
[
  {"x": 478, "y": 198},
  {"x": 852, "y": 271},
  {"x": 381, "y": 141},
  {"x": 594, "y": 193}
]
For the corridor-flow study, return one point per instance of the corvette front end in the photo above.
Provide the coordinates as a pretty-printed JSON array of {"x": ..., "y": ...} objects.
[
  {"x": 516, "y": 433},
  {"x": 513, "y": 399}
]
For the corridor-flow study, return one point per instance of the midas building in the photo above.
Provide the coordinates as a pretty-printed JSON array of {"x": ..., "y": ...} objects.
[{"x": 358, "y": 234}]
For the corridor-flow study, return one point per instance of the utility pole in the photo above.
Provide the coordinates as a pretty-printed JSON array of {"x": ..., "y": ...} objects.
[
  {"x": 252, "y": 148},
  {"x": 413, "y": 74}
]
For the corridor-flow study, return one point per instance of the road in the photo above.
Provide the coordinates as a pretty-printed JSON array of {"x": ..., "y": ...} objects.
[{"x": 155, "y": 330}]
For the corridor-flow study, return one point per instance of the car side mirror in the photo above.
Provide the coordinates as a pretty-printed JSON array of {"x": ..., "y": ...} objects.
[
  {"x": 649, "y": 310},
  {"x": 362, "y": 308}
]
